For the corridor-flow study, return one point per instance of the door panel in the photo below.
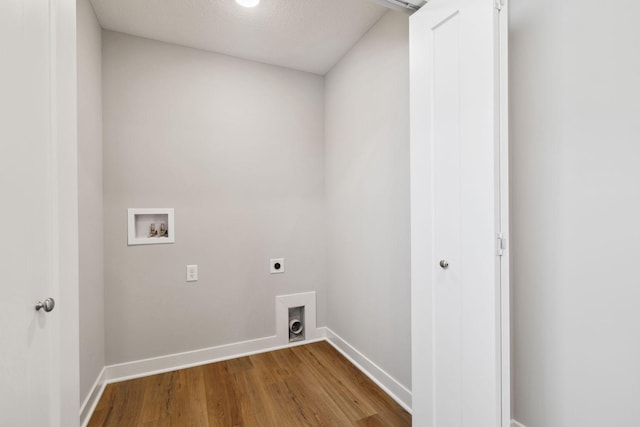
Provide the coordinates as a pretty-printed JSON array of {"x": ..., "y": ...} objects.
[
  {"x": 38, "y": 248},
  {"x": 25, "y": 255},
  {"x": 456, "y": 209},
  {"x": 446, "y": 207}
]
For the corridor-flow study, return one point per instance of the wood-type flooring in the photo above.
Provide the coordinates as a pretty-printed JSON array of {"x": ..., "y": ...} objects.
[{"x": 308, "y": 385}]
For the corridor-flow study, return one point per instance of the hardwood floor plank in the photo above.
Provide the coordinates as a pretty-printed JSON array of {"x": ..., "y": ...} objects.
[
  {"x": 312, "y": 400},
  {"x": 240, "y": 364},
  {"x": 372, "y": 421},
  {"x": 223, "y": 396},
  {"x": 104, "y": 407},
  {"x": 189, "y": 406},
  {"x": 255, "y": 407},
  {"x": 308, "y": 385},
  {"x": 326, "y": 370},
  {"x": 287, "y": 405},
  {"x": 155, "y": 408},
  {"x": 123, "y": 404},
  {"x": 267, "y": 369}
]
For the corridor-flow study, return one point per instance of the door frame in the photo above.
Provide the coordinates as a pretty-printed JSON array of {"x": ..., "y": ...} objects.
[
  {"x": 502, "y": 35},
  {"x": 65, "y": 363}
]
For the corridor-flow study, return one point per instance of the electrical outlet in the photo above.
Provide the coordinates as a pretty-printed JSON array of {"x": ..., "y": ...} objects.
[
  {"x": 276, "y": 265},
  {"x": 192, "y": 273}
]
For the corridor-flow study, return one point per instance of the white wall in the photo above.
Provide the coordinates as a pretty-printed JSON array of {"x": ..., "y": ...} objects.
[
  {"x": 367, "y": 186},
  {"x": 91, "y": 295},
  {"x": 575, "y": 122},
  {"x": 236, "y": 147}
]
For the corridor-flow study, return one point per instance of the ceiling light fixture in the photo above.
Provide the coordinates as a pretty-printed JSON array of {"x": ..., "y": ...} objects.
[{"x": 248, "y": 3}]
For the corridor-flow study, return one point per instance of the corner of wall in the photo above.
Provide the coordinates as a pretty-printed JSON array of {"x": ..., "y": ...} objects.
[
  {"x": 93, "y": 397},
  {"x": 90, "y": 196},
  {"x": 367, "y": 196}
]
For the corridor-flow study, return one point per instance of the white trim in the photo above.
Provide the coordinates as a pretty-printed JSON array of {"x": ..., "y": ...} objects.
[
  {"x": 284, "y": 303},
  {"x": 132, "y": 238},
  {"x": 64, "y": 357},
  {"x": 514, "y": 423},
  {"x": 393, "y": 6},
  {"x": 386, "y": 382},
  {"x": 188, "y": 359},
  {"x": 505, "y": 259},
  {"x": 92, "y": 399},
  {"x": 173, "y": 362}
]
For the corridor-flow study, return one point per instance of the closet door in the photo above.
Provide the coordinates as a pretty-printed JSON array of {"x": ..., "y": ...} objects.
[
  {"x": 38, "y": 188},
  {"x": 459, "y": 215}
]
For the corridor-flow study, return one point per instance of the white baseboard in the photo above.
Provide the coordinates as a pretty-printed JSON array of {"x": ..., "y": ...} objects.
[
  {"x": 188, "y": 359},
  {"x": 386, "y": 382},
  {"x": 92, "y": 399},
  {"x": 156, "y": 365},
  {"x": 514, "y": 423}
]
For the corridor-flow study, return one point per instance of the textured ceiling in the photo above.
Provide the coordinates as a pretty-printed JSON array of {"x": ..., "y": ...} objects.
[{"x": 308, "y": 35}]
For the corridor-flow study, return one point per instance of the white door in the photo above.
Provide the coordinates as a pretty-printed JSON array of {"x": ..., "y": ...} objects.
[
  {"x": 459, "y": 212},
  {"x": 38, "y": 218}
]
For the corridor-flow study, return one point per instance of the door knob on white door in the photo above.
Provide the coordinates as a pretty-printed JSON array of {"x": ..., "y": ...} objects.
[
  {"x": 47, "y": 305},
  {"x": 444, "y": 264}
]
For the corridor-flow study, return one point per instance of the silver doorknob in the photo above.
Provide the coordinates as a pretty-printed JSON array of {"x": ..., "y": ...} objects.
[
  {"x": 444, "y": 264},
  {"x": 47, "y": 305}
]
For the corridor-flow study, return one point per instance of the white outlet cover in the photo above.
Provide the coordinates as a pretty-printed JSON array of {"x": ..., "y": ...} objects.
[
  {"x": 273, "y": 263},
  {"x": 192, "y": 273}
]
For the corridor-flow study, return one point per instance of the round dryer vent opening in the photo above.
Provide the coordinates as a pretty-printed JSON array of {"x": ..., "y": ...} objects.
[
  {"x": 295, "y": 326},
  {"x": 296, "y": 323}
]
